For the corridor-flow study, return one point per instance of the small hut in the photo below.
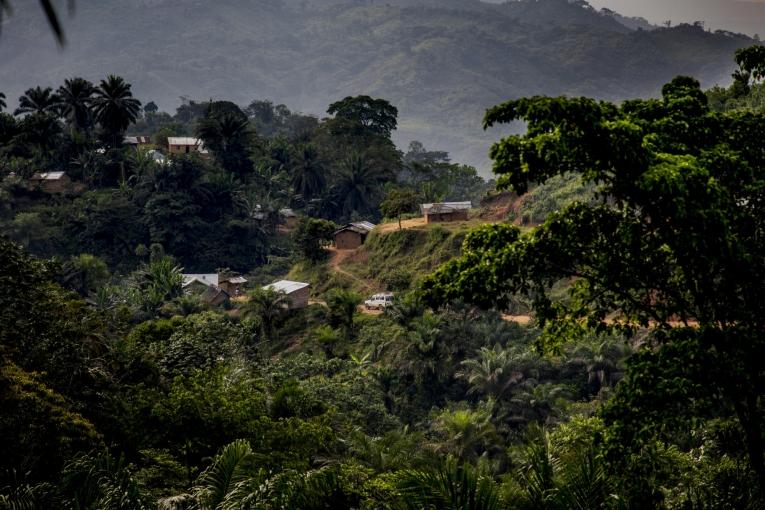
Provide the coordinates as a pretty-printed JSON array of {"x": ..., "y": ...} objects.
[
  {"x": 214, "y": 296},
  {"x": 352, "y": 235},
  {"x": 233, "y": 285},
  {"x": 199, "y": 283},
  {"x": 446, "y": 211},
  {"x": 185, "y": 145},
  {"x": 50, "y": 182},
  {"x": 297, "y": 292}
]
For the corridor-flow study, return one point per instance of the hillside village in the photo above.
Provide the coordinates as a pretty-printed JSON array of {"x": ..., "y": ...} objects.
[
  {"x": 239, "y": 306},
  {"x": 347, "y": 260}
]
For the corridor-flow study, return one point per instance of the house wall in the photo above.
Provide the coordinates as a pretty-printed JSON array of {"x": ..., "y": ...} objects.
[
  {"x": 233, "y": 289},
  {"x": 182, "y": 149},
  {"x": 57, "y": 186},
  {"x": 299, "y": 298},
  {"x": 348, "y": 240},
  {"x": 219, "y": 299},
  {"x": 459, "y": 215}
]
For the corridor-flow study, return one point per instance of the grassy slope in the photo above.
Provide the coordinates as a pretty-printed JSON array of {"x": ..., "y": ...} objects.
[{"x": 407, "y": 255}]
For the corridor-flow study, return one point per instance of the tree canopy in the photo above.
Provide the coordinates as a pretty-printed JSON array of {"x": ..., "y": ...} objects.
[{"x": 673, "y": 244}]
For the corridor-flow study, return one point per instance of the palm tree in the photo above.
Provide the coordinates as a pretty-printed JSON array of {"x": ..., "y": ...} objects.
[
  {"x": 267, "y": 305},
  {"x": 227, "y": 481},
  {"x": 449, "y": 486},
  {"x": 495, "y": 371},
  {"x": 41, "y": 131},
  {"x": 75, "y": 97},
  {"x": 228, "y": 135},
  {"x": 186, "y": 305},
  {"x": 38, "y": 100},
  {"x": 342, "y": 306},
  {"x": 2, "y": 101},
  {"x": 536, "y": 473},
  {"x": 540, "y": 403},
  {"x": 102, "y": 482},
  {"x": 465, "y": 433},
  {"x": 547, "y": 478},
  {"x": 234, "y": 481},
  {"x": 326, "y": 336},
  {"x": 158, "y": 281},
  {"x": 395, "y": 450},
  {"x": 90, "y": 164},
  {"x": 404, "y": 310},
  {"x": 358, "y": 184},
  {"x": 308, "y": 179},
  {"x": 114, "y": 107}
]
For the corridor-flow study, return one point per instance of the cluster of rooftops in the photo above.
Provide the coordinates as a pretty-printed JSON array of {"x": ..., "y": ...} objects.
[{"x": 215, "y": 289}]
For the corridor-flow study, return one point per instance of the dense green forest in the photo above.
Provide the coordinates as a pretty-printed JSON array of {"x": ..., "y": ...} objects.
[
  {"x": 631, "y": 234},
  {"x": 441, "y": 62}
]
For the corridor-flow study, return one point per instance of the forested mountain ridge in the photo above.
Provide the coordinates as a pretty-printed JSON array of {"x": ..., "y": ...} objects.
[{"x": 441, "y": 63}]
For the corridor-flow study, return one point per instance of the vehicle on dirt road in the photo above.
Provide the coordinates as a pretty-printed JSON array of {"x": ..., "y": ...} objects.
[{"x": 379, "y": 301}]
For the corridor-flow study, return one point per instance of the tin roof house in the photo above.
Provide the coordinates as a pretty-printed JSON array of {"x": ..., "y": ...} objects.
[
  {"x": 50, "y": 182},
  {"x": 446, "y": 211},
  {"x": 352, "y": 235},
  {"x": 185, "y": 145},
  {"x": 297, "y": 292}
]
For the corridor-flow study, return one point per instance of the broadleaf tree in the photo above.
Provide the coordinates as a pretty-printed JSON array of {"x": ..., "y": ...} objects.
[{"x": 674, "y": 245}]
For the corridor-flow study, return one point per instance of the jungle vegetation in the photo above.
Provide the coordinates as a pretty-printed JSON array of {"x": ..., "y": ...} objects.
[{"x": 637, "y": 385}]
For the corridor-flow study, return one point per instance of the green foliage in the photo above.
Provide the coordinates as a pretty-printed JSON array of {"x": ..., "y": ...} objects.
[
  {"x": 267, "y": 305},
  {"x": 311, "y": 236},
  {"x": 114, "y": 107},
  {"x": 102, "y": 482},
  {"x": 397, "y": 202},
  {"x": 449, "y": 485},
  {"x": 343, "y": 305},
  {"x": 675, "y": 182},
  {"x": 552, "y": 196},
  {"x": 366, "y": 113},
  {"x": 38, "y": 427}
]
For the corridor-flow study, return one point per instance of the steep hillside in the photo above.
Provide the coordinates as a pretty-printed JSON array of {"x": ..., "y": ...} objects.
[
  {"x": 441, "y": 62},
  {"x": 389, "y": 260}
]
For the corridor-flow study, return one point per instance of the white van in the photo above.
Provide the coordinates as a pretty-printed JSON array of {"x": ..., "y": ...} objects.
[{"x": 379, "y": 301}]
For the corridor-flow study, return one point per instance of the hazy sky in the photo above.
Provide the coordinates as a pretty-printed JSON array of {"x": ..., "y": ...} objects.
[{"x": 735, "y": 15}]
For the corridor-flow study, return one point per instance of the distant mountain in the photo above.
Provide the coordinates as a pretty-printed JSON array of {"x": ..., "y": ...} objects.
[
  {"x": 747, "y": 16},
  {"x": 442, "y": 62}
]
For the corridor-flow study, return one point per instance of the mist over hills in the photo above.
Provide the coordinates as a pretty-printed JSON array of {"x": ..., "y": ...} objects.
[{"x": 441, "y": 62}]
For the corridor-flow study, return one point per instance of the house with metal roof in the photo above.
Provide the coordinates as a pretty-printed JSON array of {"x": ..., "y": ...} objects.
[
  {"x": 446, "y": 211},
  {"x": 233, "y": 285},
  {"x": 352, "y": 235},
  {"x": 185, "y": 145},
  {"x": 297, "y": 292},
  {"x": 198, "y": 283},
  {"x": 50, "y": 182},
  {"x": 214, "y": 296}
]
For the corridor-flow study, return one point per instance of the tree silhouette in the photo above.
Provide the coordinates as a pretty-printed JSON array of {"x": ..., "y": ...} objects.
[
  {"x": 38, "y": 100},
  {"x": 115, "y": 108},
  {"x": 75, "y": 97},
  {"x": 308, "y": 178},
  {"x": 357, "y": 187}
]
